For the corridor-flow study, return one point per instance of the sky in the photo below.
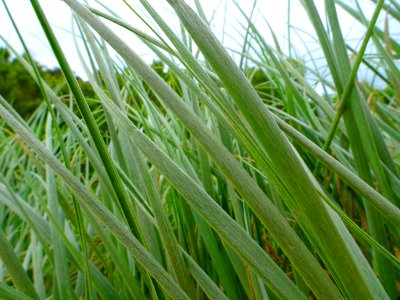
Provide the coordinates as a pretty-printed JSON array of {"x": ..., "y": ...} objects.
[{"x": 227, "y": 19}]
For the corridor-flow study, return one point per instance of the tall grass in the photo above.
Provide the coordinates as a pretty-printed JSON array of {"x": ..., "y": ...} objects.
[{"x": 211, "y": 187}]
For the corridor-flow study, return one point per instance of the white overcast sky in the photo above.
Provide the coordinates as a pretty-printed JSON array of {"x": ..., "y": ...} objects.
[{"x": 59, "y": 15}]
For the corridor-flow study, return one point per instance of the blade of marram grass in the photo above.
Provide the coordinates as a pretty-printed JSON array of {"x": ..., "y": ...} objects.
[
  {"x": 358, "y": 125},
  {"x": 77, "y": 128},
  {"x": 128, "y": 276},
  {"x": 76, "y": 132},
  {"x": 220, "y": 262},
  {"x": 375, "y": 199},
  {"x": 211, "y": 244},
  {"x": 392, "y": 68},
  {"x": 86, "y": 198},
  {"x": 14, "y": 267},
  {"x": 215, "y": 216},
  {"x": 38, "y": 272},
  {"x": 39, "y": 80},
  {"x": 307, "y": 201},
  {"x": 121, "y": 265},
  {"x": 375, "y": 150},
  {"x": 385, "y": 45},
  {"x": 139, "y": 33},
  {"x": 208, "y": 286},
  {"x": 356, "y": 229},
  {"x": 90, "y": 122},
  {"x": 121, "y": 153},
  {"x": 170, "y": 243},
  {"x": 117, "y": 186},
  {"x": 62, "y": 275},
  {"x": 70, "y": 120},
  {"x": 350, "y": 83},
  {"x": 301, "y": 268},
  {"x": 189, "y": 119},
  {"x": 41, "y": 227},
  {"x": 297, "y": 85},
  {"x": 288, "y": 82},
  {"x": 391, "y": 9},
  {"x": 247, "y": 37},
  {"x": 378, "y": 32},
  {"x": 364, "y": 236},
  {"x": 357, "y": 184},
  {"x": 88, "y": 201},
  {"x": 209, "y": 80}
]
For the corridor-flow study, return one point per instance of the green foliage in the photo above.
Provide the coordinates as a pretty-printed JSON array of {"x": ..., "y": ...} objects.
[
  {"x": 18, "y": 87},
  {"x": 196, "y": 178}
]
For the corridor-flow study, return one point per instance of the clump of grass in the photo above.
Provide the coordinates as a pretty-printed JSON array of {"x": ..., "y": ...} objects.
[{"x": 205, "y": 186}]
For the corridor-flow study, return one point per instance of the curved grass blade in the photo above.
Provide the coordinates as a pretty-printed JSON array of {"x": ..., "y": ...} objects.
[
  {"x": 14, "y": 267},
  {"x": 89, "y": 202},
  {"x": 234, "y": 171},
  {"x": 299, "y": 192}
]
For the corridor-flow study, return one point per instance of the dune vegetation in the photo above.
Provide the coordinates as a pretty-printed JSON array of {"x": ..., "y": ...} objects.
[{"x": 222, "y": 174}]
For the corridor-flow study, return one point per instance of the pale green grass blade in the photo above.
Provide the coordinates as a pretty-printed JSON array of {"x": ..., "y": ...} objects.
[
  {"x": 209, "y": 287},
  {"x": 211, "y": 147},
  {"x": 90, "y": 122},
  {"x": 358, "y": 125},
  {"x": 120, "y": 149},
  {"x": 42, "y": 228},
  {"x": 371, "y": 138},
  {"x": 281, "y": 156},
  {"x": 38, "y": 276},
  {"x": 350, "y": 83},
  {"x": 139, "y": 33},
  {"x": 381, "y": 204},
  {"x": 14, "y": 267},
  {"x": 89, "y": 202},
  {"x": 380, "y": 34},
  {"x": 166, "y": 232},
  {"x": 209, "y": 210},
  {"x": 62, "y": 274}
]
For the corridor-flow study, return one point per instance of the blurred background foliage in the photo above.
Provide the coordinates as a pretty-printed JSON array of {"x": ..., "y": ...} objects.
[{"x": 17, "y": 86}]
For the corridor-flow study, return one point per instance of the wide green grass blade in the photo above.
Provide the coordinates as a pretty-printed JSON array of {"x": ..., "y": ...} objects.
[
  {"x": 211, "y": 212},
  {"x": 299, "y": 191}
]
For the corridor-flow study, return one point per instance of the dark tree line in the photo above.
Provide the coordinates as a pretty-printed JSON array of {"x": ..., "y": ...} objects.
[{"x": 20, "y": 89}]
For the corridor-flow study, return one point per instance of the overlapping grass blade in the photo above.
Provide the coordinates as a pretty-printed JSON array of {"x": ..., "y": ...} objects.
[
  {"x": 223, "y": 169},
  {"x": 15, "y": 269},
  {"x": 89, "y": 202},
  {"x": 190, "y": 120},
  {"x": 305, "y": 200}
]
